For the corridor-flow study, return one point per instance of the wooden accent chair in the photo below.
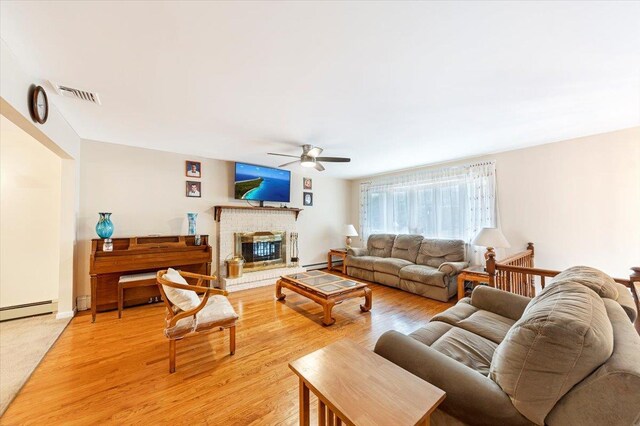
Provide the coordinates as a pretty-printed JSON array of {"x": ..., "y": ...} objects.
[{"x": 213, "y": 311}]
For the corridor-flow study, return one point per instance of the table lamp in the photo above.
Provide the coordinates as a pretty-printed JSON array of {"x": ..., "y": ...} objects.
[
  {"x": 349, "y": 231},
  {"x": 490, "y": 238}
]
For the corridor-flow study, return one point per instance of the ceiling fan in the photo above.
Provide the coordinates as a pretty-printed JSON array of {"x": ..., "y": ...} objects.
[{"x": 310, "y": 158}]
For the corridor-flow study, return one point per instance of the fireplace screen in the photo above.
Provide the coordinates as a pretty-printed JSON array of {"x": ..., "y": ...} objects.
[{"x": 261, "y": 250}]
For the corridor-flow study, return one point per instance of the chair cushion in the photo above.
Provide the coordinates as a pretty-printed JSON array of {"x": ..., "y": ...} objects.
[
  {"x": 390, "y": 265},
  {"x": 423, "y": 274},
  {"x": 467, "y": 348},
  {"x": 183, "y": 299},
  {"x": 217, "y": 310},
  {"x": 406, "y": 247},
  {"x": 563, "y": 335},
  {"x": 380, "y": 244},
  {"x": 596, "y": 280},
  {"x": 362, "y": 262},
  {"x": 434, "y": 252}
]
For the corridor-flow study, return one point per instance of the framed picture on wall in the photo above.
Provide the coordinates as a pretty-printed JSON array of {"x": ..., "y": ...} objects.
[
  {"x": 193, "y": 169},
  {"x": 194, "y": 189},
  {"x": 307, "y": 198},
  {"x": 306, "y": 183}
]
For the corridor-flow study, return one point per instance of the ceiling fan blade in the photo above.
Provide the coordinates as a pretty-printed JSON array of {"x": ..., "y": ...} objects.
[
  {"x": 314, "y": 152},
  {"x": 288, "y": 164},
  {"x": 319, "y": 167},
  {"x": 334, "y": 159},
  {"x": 283, "y": 155}
]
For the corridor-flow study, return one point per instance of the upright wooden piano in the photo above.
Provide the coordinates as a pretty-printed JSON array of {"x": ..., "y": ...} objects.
[{"x": 137, "y": 255}]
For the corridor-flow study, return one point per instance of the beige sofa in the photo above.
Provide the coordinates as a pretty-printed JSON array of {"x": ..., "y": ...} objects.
[
  {"x": 424, "y": 266},
  {"x": 569, "y": 356}
]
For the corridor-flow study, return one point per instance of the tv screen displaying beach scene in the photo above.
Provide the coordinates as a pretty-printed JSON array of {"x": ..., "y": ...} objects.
[{"x": 259, "y": 183}]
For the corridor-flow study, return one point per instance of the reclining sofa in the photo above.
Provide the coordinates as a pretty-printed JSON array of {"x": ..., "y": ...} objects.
[
  {"x": 569, "y": 356},
  {"x": 424, "y": 266}
]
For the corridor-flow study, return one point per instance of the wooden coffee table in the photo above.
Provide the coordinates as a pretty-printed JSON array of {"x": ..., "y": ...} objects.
[
  {"x": 356, "y": 386},
  {"x": 325, "y": 289}
]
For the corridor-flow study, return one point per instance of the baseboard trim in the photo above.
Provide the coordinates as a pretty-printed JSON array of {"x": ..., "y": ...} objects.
[
  {"x": 28, "y": 310},
  {"x": 66, "y": 314},
  {"x": 312, "y": 266}
]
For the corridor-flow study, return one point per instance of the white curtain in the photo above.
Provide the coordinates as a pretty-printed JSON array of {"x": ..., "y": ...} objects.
[{"x": 452, "y": 202}]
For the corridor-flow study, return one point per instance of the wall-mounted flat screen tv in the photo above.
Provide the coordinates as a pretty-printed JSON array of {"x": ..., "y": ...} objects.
[{"x": 260, "y": 183}]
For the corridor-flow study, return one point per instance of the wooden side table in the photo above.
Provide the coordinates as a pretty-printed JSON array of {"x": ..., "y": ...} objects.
[
  {"x": 356, "y": 386},
  {"x": 475, "y": 274},
  {"x": 339, "y": 252}
]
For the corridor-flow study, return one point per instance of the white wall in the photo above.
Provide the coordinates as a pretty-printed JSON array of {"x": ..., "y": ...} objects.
[
  {"x": 145, "y": 191},
  {"x": 58, "y": 136},
  {"x": 577, "y": 200},
  {"x": 29, "y": 218}
]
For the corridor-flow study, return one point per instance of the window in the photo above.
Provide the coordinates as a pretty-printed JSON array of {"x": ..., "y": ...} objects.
[{"x": 446, "y": 203}]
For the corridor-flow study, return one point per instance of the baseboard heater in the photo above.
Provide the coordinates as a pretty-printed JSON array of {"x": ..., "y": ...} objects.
[
  {"x": 28, "y": 310},
  {"x": 321, "y": 265}
]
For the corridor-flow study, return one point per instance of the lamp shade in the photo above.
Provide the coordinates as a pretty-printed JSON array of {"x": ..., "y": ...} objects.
[
  {"x": 491, "y": 237},
  {"x": 350, "y": 231}
]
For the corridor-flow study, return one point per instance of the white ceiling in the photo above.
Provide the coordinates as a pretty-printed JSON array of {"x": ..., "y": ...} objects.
[{"x": 392, "y": 85}]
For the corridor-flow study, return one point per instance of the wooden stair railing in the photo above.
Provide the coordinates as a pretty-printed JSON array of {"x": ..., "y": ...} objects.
[
  {"x": 510, "y": 277},
  {"x": 522, "y": 284}
]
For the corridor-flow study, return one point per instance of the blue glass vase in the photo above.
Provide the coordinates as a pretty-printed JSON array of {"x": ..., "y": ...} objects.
[
  {"x": 192, "y": 223},
  {"x": 104, "y": 227}
]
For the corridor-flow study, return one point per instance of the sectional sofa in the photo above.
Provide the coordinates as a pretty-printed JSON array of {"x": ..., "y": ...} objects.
[
  {"x": 569, "y": 356},
  {"x": 425, "y": 266}
]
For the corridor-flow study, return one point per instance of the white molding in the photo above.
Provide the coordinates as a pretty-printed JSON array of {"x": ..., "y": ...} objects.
[{"x": 66, "y": 314}]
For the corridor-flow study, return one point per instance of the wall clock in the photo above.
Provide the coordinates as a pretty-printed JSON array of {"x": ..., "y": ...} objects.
[{"x": 39, "y": 105}]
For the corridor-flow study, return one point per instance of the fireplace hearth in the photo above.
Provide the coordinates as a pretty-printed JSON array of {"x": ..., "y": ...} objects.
[{"x": 261, "y": 250}]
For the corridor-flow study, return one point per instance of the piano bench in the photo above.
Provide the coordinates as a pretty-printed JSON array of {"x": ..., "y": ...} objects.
[{"x": 131, "y": 281}]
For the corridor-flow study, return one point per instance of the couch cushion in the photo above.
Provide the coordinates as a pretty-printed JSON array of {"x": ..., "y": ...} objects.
[
  {"x": 431, "y": 332},
  {"x": 563, "y": 335},
  {"x": 433, "y": 252},
  {"x": 611, "y": 394},
  {"x": 593, "y": 278},
  {"x": 625, "y": 299},
  {"x": 457, "y": 313},
  {"x": 380, "y": 245},
  {"x": 362, "y": 262},
  {"x": 491, "y": 326},
  {"x": 485, "y": 324},
  {"x": 423, "y": 274},
  {"x": 390, "y": 265},
  {"x": 406, "y": 247},
  {"x": 467, "y": 348}
]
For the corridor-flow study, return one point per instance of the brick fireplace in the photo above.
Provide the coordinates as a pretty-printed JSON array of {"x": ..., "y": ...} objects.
[
  {"x": 261, "y": 236},
  {"x": 261, "y": 250}
]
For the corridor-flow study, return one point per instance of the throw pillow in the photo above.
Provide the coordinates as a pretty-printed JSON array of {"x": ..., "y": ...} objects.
[{"x": 183, "y": 299}]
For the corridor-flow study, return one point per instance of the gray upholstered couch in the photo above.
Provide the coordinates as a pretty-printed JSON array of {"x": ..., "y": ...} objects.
[
  {"x": 569, "y": 356},
  {"x": 424, "y": 266}
]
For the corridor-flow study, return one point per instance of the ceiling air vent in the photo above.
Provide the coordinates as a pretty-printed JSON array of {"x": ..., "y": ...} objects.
[{"x": 71, "y": 92}]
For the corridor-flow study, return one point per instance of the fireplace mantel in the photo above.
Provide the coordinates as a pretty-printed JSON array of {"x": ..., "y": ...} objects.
[{"x": 217, "y": 210}]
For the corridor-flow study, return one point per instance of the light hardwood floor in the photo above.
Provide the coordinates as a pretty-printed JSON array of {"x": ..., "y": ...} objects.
[{"x": 116, "y": 371}]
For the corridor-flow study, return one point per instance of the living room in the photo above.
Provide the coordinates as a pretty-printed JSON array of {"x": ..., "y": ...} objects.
[{"x": 422, "y": 147}]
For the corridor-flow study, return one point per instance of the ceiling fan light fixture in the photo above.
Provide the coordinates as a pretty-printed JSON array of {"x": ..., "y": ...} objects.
[{"x": 307, "y": 161}]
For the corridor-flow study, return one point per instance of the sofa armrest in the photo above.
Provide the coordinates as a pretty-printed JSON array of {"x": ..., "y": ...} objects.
[
  {"x": 499, "y": 302},
  {"x": 471, "y": 397},
  {"x": 452, "y": 268},
  {"x": 354, "y": 251}
]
